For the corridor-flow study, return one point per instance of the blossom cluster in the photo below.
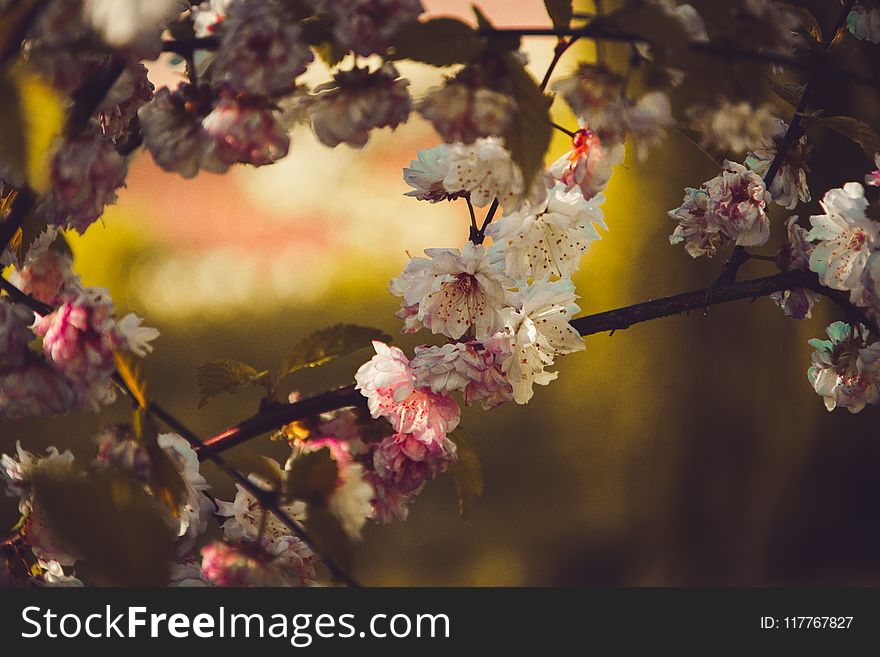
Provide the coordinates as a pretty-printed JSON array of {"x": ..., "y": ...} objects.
[{"x": 61, "y": 360}]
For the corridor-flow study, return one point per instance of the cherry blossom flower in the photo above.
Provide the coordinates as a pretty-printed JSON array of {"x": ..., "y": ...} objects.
[
  {"x": 737, "y": 205},
  {"x": 873, "y": 178},
  {"x": 53, "y": 575},
  {"x": 537, "y": 242},
  {"x": 864, "y": 23},
  {"x": 426, "y": 174},
  {"x": 455, "y": 291},
  {"x": 17, "y": 473},
  {"x": 588, "y": 164},
  {"x": 121, "y": 104},
  {"x": 79, "y": 336},
  {"x": 245, "y": 132},
  {"x": 486, "y": 171},
  {"x": 474, "y": 368},
  {"x": 44, "y": 274},
  {"x": 846, "y": 368},
  {"x": 539, "y": 330},
  {"x": 174, "y": 134},
  {"x": 790, "y": 182},
  {"x": 86, "y": 172},
  {"x": 388, "y": 383},
  {"x": 244, "y": 515},
  {"x": 734, "y": 127},
  {"x": 845, "y": 236},
  {"x": 693, "y": 226},
  {"x": 688, "y": 16},
  {"x": 196, "y": 508},
  {"x": 462, "y": 113},
  {"x": 589, "y": 90},
  {"x": 208, "y": 16},
  {"x": 135, "y": 337},
  {"x": 356, "y": 102},
  {"x": 402, "y": 464},
  {"x": 369, "y": 26},
  {"x": 261, "y": 51},
  {"x": 34, "y": 389},
  {"x": 249, "y": 564},
  {"x": 643, "y": 121},
  {"x": 795, "y": 254},
  {"x": 120, "y": 448},
  {"x": 350, "y": 501}
]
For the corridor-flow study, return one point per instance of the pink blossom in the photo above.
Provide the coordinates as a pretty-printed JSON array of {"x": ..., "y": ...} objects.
[
  {"x": 245, "y": 132},
  {"x": 34, "y": 390},
  {"x": 369, "y": 26},
  {"x": 233, "y": 565},
  {"x": 588, "y": 164},
  {"x": 44, "y": 275},
  {"x": 86, "y": 172},
  {"x": 79, "y": 336},
  {"x": 462, "y": 113},
  {"x": 261, "y": 49},
  {"x": 471, "y": 367}
]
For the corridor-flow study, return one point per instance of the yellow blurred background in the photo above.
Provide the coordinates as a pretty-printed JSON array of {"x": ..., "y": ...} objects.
[{"x": 684, "y": 451}]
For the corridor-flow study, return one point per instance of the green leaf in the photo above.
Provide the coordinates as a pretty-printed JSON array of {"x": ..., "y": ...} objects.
[
  {"x": 530, "y": 132},
  {"x": 329, "y": 538},
  {"x": 790, "y": 92},
  {"x": 312, "y": 477},
  {"x": 327, "y": 344},
  {"x": 857, "y": 131},
  {"x": 560, "y": 12},
  {"x": 221, "y": 376},
  {"x": 438, "y": 42},
  {"x": 33, "y": 225},
  {"x": 263, "y": 467},
  {"x": 109, "y": 521},
  {"x": 466, "y": 472},
  {"x": 647, "y": 20}
]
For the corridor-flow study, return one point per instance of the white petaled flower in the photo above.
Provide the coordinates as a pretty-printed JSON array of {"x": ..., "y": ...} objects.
[
  {"x": 789, "y": 185},
  {"x": 486, "y": 171},
  {"x": 537, "y": 242},
  {"x": 369, "y": 26},
  {"x": 461, "y": 113},
  {"x": 845, "y": 238},
  {"x": 846, "y": 368},
  {"x": 588, "y": 165},
  {"x": 208, "y": 16},
  {"x": 35, "y": 389},
  {"x": 425, "y": 175},
  {"x": 357, "y": 101},
  {"x": 53, "y": 575},
  {"x": 454, "y": 290},
  {"x": 197, "y": 508},
  {"x": 737, "y": 205},
  {"x": 261, "y": 49},
  {"x": 244, "y": 515},
  {"x": 795, "y": 254},
  {"x": 86, "y": 172},
  {"x": 174, "y": 134},
  {"x": 135, "y": 25},
  {"x": 734, "y": 127},
  {"x": 589, "y": 90},
  {"x": 864, "y": 23},
  {"x": 644, "y": 121},
  {"x": 538, "y": 331},
  {"x": 245, "y": 132},
  {"x": 693, "y": 227},
  {"x": 17, "y": 473},
  {"x": 137, "y": 338}
]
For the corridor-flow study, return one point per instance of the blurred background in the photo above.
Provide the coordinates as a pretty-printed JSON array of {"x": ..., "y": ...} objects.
[{"x": 685, "y": 451}]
